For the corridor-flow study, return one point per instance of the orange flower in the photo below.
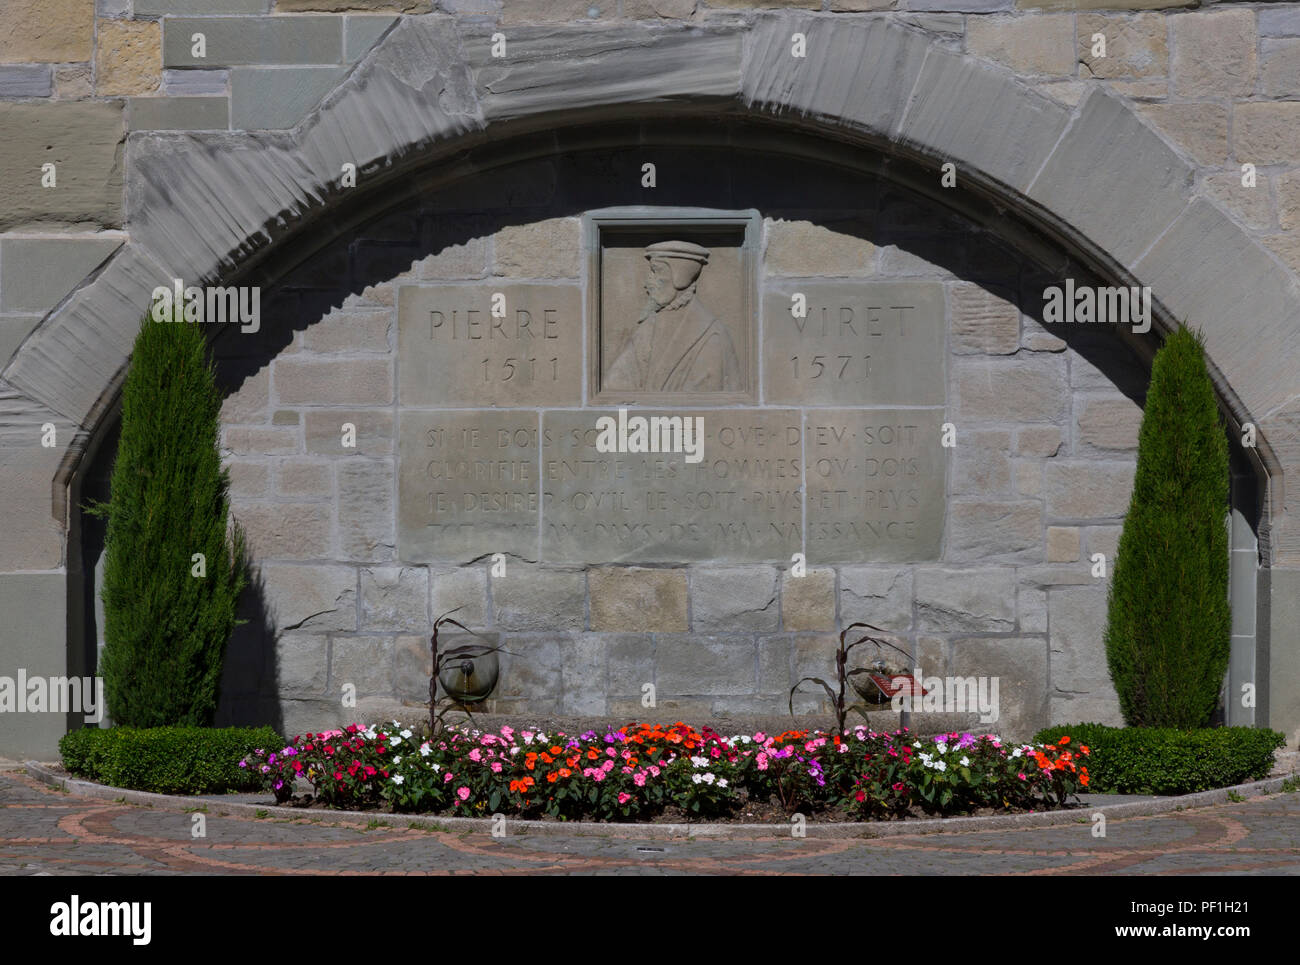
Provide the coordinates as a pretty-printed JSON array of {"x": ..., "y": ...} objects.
[
  {"x": 556, "y": 749},
  {"x": 591, "y": 754},
  {"x": 1083, "y": 778},
  {"x": 547, "y": 758},
  {"x": 565, "y": 772},
  {"x": 1083, "y": 748},
  {"x": 1063, "y": 741},
  {"x": 551, "y": 777}
]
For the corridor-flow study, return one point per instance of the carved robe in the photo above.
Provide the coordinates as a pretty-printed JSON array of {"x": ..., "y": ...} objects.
[{"x": 687, "y": 350}]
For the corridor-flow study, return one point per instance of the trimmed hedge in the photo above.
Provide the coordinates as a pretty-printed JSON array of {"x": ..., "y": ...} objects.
[
  {"x": 1161, "y": 760},
  {"x": 168, "y": 760}
]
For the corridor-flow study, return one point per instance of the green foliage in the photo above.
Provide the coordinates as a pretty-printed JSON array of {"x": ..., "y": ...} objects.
[
  {"x": 166, "y": 629},
  {"x": 1157, "y": 760},
  {"x": 1167, "y": 636},
  {"x": 168, "y": 760}
]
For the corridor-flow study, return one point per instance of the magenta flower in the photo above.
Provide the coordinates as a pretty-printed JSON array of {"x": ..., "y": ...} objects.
[{"x": 462, "y": 793}]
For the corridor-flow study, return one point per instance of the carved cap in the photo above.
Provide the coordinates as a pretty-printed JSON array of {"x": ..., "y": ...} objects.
[{"x": 678, "y": 249}]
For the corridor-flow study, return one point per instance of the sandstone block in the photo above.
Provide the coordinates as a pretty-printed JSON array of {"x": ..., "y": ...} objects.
[{"x": 639, "y": 599}]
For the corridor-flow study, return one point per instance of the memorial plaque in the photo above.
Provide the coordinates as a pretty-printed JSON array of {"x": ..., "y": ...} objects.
[
  {"x": 453, "y": 350},
  {"x": 467, "y": 484},
  {"x": 860, "y": 343},
  {"x": 740, "y": 501},
  {"x": 672, "y": 307},
  {"x": 876, "y": 484}
]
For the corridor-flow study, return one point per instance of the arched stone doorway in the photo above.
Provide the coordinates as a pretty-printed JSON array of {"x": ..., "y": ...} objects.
[{"x": 1023, "y": 164}]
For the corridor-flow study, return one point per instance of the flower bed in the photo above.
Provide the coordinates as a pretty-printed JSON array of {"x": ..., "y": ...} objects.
[{"x": 643, "y": 772}]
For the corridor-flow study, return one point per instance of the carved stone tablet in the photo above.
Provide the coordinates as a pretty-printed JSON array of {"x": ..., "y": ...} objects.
[
  {"x": 740, "y": 501},
  {"x": 452, "y": 350},
  {"x": 468, "y": 485},
  {"x": 672, "y": 307},
  {"x": 859, "y": 343},
  {"x": 876, "y": 484}
]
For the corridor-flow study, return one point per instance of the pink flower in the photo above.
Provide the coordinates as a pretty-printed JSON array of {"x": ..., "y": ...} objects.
[
  {"x": 624, "y": 797},
  {"x": 654, "y": 769},
  {"x": 496, "y": 767},
  {"x": 446, "y": 778},
  {"x": 507, "y": 732},
  {"x": 1021, "y": 776},
  {"x": 462, "y": 793},
  {"x": 761, "y": 760},
  {"x": 639, "y": 779}
]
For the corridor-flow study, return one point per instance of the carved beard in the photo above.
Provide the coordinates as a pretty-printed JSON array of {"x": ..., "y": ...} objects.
[{"x": 679, "y": 300}]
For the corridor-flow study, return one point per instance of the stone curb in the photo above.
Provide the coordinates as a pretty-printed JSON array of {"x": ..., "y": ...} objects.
[{"x": 868, "y": 829}]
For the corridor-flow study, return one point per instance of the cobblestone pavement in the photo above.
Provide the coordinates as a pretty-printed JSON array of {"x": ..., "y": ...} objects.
[{"x": 45, "y": 830}]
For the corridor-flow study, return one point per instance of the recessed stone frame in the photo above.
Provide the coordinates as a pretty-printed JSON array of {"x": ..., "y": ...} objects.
[{"x": 736, "y": 234}]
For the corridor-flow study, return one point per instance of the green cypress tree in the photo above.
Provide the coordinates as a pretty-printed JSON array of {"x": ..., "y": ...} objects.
[
  {"x": 165, "y": 625},
  {"x": 1168, "y": 629}
]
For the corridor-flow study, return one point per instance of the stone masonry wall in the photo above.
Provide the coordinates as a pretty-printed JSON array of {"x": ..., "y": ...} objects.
[{"x": 1038, "y": 482}]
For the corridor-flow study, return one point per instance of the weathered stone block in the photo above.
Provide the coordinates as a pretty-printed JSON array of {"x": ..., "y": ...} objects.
[
  {"x": 1201, "y": 130},
  {"x": 979, "y": 389},
  {"x": 630, "y": 659},
  {"x": 412, "y": 667},
  {"x": 196, "y": 83},
  {"x": 260, "y": 440},
  {"x": 980, "y": 463},
  {"x": 286, "y": 531},
  {"x": 459, "y": 588},
  {"x": 1110, "y": 423},
  {"x": 324, "y": 431},
  {"x": 639, "y": 599},
  {"x": 364, "y": 662},
  {"x": 734, "y": 598},
  {"x": 1105, "y": 540},
  {"x": 966, "y": 599},
  {"x": 349, "y": 331},
  {"x": 983, "y": 323},
  {"x": 582, "y": 675},
  {"x": 344, "y": 382},
  {"x": 304, "y": 477},
  {"x": 26, "y": 80},
  {"x": 1214, "y": 53},
  {"x": 1020, "y": 667},
  {"x": 1028, "y": 477},
  {"x": 1010, "y": 531},
  {"x": 73, "y": 82},
  {"x": 253, "y": 40},
  {"x": 301, "y": 663},
  {"x": 1034, "y": 44},
  {"x": 774, "y": 656},
  {"x": 84, "y": 143},
  {"x": 698, "y": 665},
  {"x": 178, "y": 113},
  {"x": 801, "y": 248},
  {"x": 543, "y": 249},
  {"x": 1136, "y": 45},
  {"x": 365, "y": 510},
  {"x": 1031, "y": 607},
  {"x": 36, "y": 273},
  {"x": 343, "y": 6},
  {"x": 879, "y": 595},
  {"x": 48, "y": 31},
  {"x": 1267, "y": 132},
  {"x": 1041, "y": 441},
  {"x": 1078, "y": 654},
  {"x": 312, "y": 599},
  {"x": 394, "y": 598},
  {"x": 362, "y": 33},
  {"x": 530, "y": 667},
  {"x": 1076, "y": 489},
  {"x": 128, "y": 57},
  {"x": 539, "y": 598},
  {"x": 1250, "y": 206},
  {"x": 206, "y": 7},
  {"x": 248, "y": 479},
  {"x": 277, "y": 98},
  {"x": 808, "y": 602},
  {"x": 1062, "y": 544}
]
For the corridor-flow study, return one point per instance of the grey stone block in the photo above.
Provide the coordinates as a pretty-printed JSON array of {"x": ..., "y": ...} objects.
[
  {"x": 710, "y": 666},
  {"x": 196, "y": 83},
  {"x": 33, "y": 636},
  {"x": 364, "y": 662},
  {"x": 879, "y": 595},
  {"x": 26, "y": 80},
  {"x": 961, "y": 6},
  {"x": 36, "y": 273},
  {"x": 13, "y": 329},
  {"x": 360, "y": 34},
  {"x": 311, "y": 598},
  {"x": 1114, "y": 179},
  {"x": 1282, "y": 22},
  {"x": 365, "y": 511},
  {"x": 1077, "y": 617},
  {"x": 1211, "y": 274},
  {"x": 734, "y": 598},
  {"x": 995, "y": 530},
  {"x": 974, "y": 599},
  {"x": 113, "y": 8},
  {"x": 178, "y": 113},
  {"x": 459, "y": 588},
  {"x": 412, "y": 667},
  {"x": 582, "y": 675},
  {"x": 1020, "y": 666},
  {"x": 539, "y": 598},
  {"x": 394, "y": 598},
  {"x": 530, "y": 668},
  {"x": 253, "y": 40},
  {"x": 207, "y": 7},
  {"x": 273, "y": 98},
  {"x": 982, "y": 120},
  {"x": 301, "y": 664},
  {"x": 1080, "y": 489},
  {"x": 630, "y": 663},
  {"x": 979, "y": 389},
  {"x": 623, "y": 63}
]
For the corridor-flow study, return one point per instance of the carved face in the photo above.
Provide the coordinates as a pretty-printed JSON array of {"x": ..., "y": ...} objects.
[{"x": 659, "y": 286}]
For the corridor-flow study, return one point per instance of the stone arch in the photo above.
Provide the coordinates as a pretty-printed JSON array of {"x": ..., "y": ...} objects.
[{"x": 1091, "y": 179}]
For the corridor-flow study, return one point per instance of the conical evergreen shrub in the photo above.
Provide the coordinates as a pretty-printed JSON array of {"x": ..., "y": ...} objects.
[
  {"x": 1168, "y": 629},
  {"x": 168, "y": 613}
]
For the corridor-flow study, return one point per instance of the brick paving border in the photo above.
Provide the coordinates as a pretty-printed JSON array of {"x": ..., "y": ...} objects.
[{"x": 839, "y": 829}]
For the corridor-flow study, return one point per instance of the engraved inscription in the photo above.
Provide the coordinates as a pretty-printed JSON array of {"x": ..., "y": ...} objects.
[
  {"x": 468, "y": 484},
  {"x": 859, "y": 343},
  {"x": 489, "y": 346}
]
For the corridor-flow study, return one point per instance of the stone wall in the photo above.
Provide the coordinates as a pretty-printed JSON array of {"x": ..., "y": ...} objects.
[{"x": 1037, "y": 483}]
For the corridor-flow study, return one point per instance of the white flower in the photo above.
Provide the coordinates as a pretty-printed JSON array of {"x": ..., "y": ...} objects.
[
  {"x": 695, "y": 779},
  {"x": 406, "y": 733},
  {"x": 708, "y": 778},
  {"x": 395, "y": 741},
  {"x": 964, "y": 762},
  {"x": 424, "y": 750},
  {"x": 437, "y": 767},
  {"x": 397, "y": 760},
  {"x": 700, "y": 761},
  {"x": 1017, "y": 752},
  {"x": 398, "y": 779},
  {"x": 514, "y": 750},
  {"x": 925, "y": 758},
  {"x": 916, "y": 743},
  {"x": 722, "y": 782},
  {"x": 941, "y": 748},
  {"x": 940, "y": 766}
]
